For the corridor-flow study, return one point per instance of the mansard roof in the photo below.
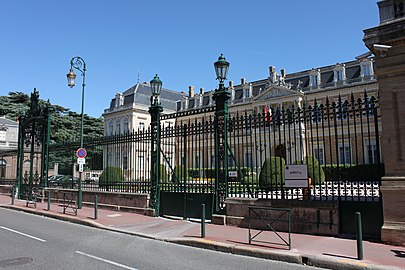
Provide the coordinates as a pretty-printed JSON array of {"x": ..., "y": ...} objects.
[
  {"x": 7, "y": 122},
  {"x": 139, "y": 95},
  {"x": 298, "y": 83}
]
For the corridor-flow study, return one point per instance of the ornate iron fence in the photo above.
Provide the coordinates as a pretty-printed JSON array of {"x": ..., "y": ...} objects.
[{"x": 338, "y": 140}]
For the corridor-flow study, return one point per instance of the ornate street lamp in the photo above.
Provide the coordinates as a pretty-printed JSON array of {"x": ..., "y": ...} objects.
[
  {"x": 79, "y": 64},
  {"x": 221, "y": 69},
  {"x": 71, "y": 76},
  {"x": 155, "y": 110},
  {"x": 156, "y": 85},
  {"x": 221, "y": 97}
]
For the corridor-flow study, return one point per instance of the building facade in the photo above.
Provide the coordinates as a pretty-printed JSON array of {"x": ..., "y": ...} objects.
[
  {"x": 8, "y": 143},
  {"x": 128, "y": 115},
  {"x": 341, "y": 90}
]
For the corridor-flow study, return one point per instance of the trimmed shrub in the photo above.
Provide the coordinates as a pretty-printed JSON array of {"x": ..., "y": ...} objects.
[
  {"x": 164, "y": 176},
  {"x": 178, "y": 174},
  {"x": 315, "y": 170},
  {"x": 111, "y": 175},
  {"x": 249, "y": 179},
  {"x": 272, "y": 173}
]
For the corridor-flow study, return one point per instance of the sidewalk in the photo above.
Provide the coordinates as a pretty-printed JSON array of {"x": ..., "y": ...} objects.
[{"x": 320, "y": 251}]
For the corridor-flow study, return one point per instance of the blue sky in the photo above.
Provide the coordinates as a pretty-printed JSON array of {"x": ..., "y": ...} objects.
[{"x": 178, "y": 39}]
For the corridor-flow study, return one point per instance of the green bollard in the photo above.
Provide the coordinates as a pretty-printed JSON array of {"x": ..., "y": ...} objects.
[
  {"x": 95, "y": 206},
  {"x": 49, "y": 200},
  {"x": 12, "y": 195},
  {"x": 203, "y": 220},
  {"x": 359, "y": 237}
]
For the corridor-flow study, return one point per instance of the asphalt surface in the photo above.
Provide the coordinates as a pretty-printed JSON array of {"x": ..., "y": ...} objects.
[
  {"x": 314, "y": 250},
  {"x": 35, "y": 242}
]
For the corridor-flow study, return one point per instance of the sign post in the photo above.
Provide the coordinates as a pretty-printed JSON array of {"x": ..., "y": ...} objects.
[{"x": 81, "y": 153}]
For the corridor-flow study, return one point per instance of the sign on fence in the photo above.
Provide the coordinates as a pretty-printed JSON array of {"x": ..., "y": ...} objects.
[
  {"x": 232, "y": 174},
  {"x": 296, "y": 176}
]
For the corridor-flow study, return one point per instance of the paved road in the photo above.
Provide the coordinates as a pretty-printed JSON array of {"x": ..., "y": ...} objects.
[{"x": 34, "y": 242}]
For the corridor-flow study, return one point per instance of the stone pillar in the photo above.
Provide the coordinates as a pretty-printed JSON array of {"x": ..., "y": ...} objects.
[{"x": 387, "y": 42}]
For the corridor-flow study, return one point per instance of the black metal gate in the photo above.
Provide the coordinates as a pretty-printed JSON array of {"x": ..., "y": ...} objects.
[
  {"x": 33, "y": 142},
  {"x": 187, "y": 168}
]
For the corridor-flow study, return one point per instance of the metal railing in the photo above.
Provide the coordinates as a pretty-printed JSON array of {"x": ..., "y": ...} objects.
[{"x": 338, "y": 140}]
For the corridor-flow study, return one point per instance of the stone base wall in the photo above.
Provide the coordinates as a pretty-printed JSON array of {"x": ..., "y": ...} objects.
[
  {"x": 5, "y": 190},
  {"x": 130, "y": 202},
  {"x": 393, "y": 194},
  {"x": 311, "y": 217}
]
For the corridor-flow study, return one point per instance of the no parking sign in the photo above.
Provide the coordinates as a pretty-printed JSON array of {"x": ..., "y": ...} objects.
[{"x": 81, "y": 153}]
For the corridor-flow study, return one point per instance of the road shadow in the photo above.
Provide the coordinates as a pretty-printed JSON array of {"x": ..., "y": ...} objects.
[
  {"x": 271, "y": 245},
  {"x": 340, "y": 256},
  {"x": 399, "y": 253}
]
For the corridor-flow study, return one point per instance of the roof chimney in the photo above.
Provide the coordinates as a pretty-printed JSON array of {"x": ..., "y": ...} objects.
[
  {"x": 243, "y": 81},
  {"x": 202, "y": 91},
  {"x": 191, "y": 91},
  {"x": 283, "y": 72},
  {"x": 231, "y": 84}
]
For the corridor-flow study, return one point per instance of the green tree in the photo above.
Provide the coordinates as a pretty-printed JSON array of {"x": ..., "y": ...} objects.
[{"x": 65, "y": 126}]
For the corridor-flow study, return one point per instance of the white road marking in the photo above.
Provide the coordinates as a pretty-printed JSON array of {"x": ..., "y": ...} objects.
[
  {"x": 114, "y": 215},
  {"x": 24, "y": 234},
  {"x": 105, "y": 260}
]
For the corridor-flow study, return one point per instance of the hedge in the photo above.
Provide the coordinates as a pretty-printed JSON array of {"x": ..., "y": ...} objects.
[
  {"x": 354, "y": 173},
  {"x": 111, "y": 175}
]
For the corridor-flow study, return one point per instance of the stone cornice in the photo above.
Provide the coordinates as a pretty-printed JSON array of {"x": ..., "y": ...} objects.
[{"x": 392, "y": 33}]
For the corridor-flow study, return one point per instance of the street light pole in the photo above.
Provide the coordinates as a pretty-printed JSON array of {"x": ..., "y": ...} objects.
[
  {"x": 155, "y": 110},
  {"x": 221, "y": 97},
  {"x": 79, "y": 64}
]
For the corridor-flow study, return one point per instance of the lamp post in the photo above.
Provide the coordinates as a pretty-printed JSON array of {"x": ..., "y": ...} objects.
[
  {"x": 79, "y": 64},
  {"x": 155, "y": 110},
  {"x": 221, "y": 97}
]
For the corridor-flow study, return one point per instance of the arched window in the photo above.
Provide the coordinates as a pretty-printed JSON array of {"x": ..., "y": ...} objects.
[
  {"x": 126, "y": 125},
  {"x": 110, "y": 128},
  {"x": 118, "y": 126}
]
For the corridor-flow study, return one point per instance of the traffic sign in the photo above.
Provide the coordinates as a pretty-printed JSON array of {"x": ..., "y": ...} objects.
[
  {"x": 81, "y": 160},
  {"x": 81, "y": 153}
]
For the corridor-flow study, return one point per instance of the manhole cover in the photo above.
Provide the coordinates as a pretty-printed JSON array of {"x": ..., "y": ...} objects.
[{"x": 14, "y": 262}]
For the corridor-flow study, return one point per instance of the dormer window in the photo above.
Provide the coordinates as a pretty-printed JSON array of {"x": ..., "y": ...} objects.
[
  {"x": 2, "y": 135},
  {"x": 197, "y": 102},
  {"x": 366, "y": 68},
  {"x": 184, "y": 104},
  {"x": 339, "y": 73},
  {"x": 119, "y": 100},
  {"x": 247, "y": 91},
  {"x": 314, "y": 77}
]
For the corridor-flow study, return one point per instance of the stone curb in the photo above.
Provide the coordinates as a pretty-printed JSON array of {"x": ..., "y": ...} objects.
[
  {"x": 337, "y": 264},
  {"x": 311, "y": 260}
]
